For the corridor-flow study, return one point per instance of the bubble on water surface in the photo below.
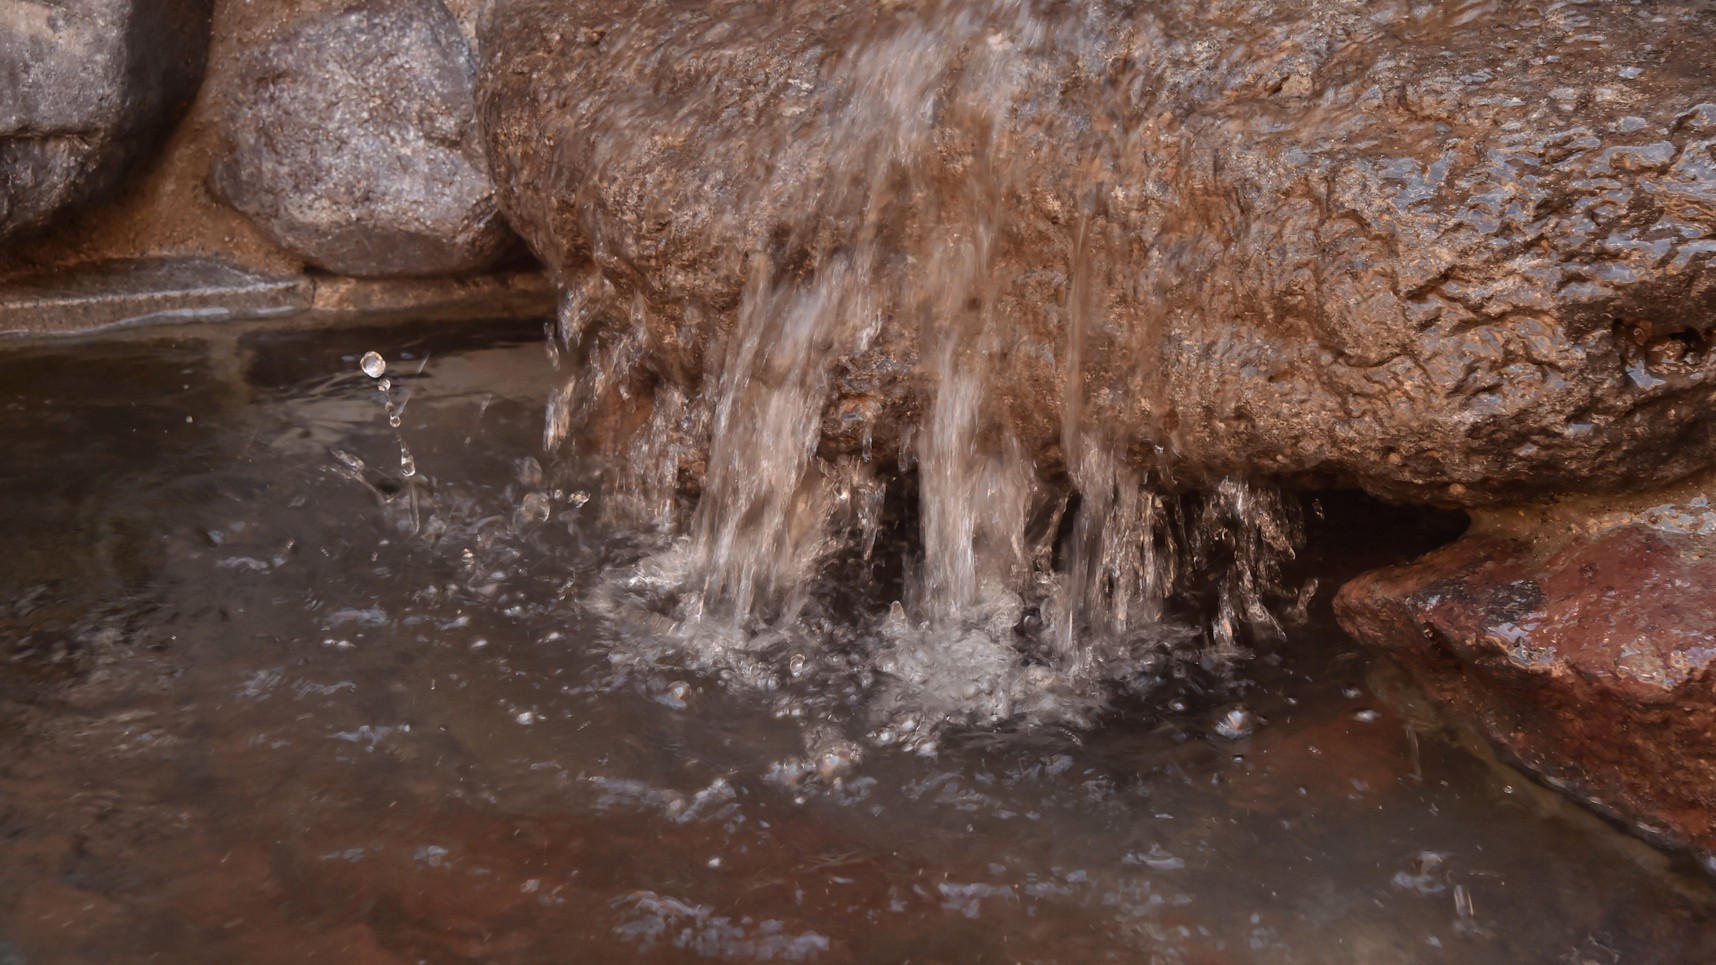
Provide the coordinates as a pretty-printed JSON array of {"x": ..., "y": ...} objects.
[
  {"x": 373, "y": 364},
  {"x": 534, "y": 507}
]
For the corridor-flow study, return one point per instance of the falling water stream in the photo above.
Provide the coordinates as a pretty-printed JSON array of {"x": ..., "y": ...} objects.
[{"x": 1038, "y": 586}]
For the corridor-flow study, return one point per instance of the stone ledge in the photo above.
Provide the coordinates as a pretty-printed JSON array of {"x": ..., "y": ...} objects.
[
  {"x": 116, "y": 294},
  {"x": 108, "y": 295}
]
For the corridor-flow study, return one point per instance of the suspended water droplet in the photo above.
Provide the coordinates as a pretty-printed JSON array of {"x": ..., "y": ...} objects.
[
  {"x": 373, "y": 364},
  {"x": 1366, "y": 716},
  {"x": 407, "y": 462},
  {"x": 795, "y": 666}
]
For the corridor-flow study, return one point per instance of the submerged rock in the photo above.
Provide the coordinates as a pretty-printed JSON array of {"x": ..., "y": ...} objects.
[
  {"x": 88, "y": 88},
  {"x": 1457, "y": 253},
  {"x": 354, "y": 144},
  {"x": 1581, "y": 644}
]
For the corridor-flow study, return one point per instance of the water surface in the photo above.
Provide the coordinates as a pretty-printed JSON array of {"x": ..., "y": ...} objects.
[{"x": 267, "y": 698}]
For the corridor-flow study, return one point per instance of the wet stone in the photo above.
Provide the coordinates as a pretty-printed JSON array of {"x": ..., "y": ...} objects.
[
  {"x": 1584, "y": 656},
  {"x": 354, "y": 144},
  {"x": 90, "y": 89}
]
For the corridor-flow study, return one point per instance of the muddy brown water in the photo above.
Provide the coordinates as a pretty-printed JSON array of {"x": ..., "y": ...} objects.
[{"x": 260, "y": 702}]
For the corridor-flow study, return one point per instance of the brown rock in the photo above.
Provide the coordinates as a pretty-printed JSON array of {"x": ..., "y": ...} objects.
[
  {"x": 1583, "y": 652},
  {"x": 1451, "y": 253}
]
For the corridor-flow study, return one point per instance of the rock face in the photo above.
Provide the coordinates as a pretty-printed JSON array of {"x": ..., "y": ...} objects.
[
  {"x": 1453, "y": 253},
  {"x": 1584, "y": 652},
  {"x": 354, "y": 144},
  {"x": 87, "y": 89}
]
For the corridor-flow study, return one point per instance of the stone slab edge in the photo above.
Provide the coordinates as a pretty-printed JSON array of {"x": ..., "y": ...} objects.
[{"x": 127, "y": 294}]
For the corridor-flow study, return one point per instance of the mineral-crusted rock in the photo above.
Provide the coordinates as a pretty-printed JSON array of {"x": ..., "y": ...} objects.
[
  {"x": 354, "y": 144},
  {"x": 1448, "y": 252},
  {"x": 1582, "y": 648},
  {"x": 88, "y": 88}
]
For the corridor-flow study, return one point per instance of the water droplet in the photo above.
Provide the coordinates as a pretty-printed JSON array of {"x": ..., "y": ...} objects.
[
  {"x": 373, "y": 364},
  {"x": 1235, "y": 723},
  {"x": 525, "y": 717},
  {"x": 795, "y": 666},
  {"x": 1366, "y": 716},
  {"x": 407, "y": 463},
  {"x": 1351, "y": 693}
]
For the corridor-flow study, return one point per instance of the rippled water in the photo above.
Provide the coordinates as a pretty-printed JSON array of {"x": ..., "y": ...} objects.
[{"x": 266, "y": 697}]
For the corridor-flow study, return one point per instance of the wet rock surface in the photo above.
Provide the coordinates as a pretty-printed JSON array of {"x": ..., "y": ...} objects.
[
  {"x": 1583, "y": 653},
  {"x": 88, "y": 88},
  {"x": 1452, "y": 252},
  {"x": 354, "y": 144}
]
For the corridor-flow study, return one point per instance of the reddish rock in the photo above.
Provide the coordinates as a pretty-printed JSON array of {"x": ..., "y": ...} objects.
[{"x": 1583, "y": 654}]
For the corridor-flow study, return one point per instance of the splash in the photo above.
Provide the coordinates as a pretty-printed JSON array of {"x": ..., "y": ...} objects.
[{"x": 1041, "y": 582}]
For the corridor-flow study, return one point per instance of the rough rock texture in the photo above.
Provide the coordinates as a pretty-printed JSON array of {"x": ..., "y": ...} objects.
[
  {"x": 87, "y": 89},
  {"x": 1449, "y": 252},
  {"x": 1584, "y": 651},
  {"x": 354, "y": 144}
]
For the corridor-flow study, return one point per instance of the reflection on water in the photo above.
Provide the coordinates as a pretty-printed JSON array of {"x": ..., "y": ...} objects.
[{"x": 269, "y": 697}]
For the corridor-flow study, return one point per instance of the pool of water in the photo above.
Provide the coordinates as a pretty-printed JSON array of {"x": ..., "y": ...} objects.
[{"x": 266, "y": 697}]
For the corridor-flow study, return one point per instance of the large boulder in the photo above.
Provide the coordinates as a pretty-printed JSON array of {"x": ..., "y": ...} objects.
[
  {"x": 1457, "y": 253},
  {"x": 354, "y": 143},
  {"x": 1581, "y": 643},
  {"x": 88, "y": 88}
]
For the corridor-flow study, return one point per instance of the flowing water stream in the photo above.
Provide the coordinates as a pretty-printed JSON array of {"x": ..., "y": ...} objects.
[
  {"x": 1034, "y": 590},
  {"x": 286, "y": 682}
]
